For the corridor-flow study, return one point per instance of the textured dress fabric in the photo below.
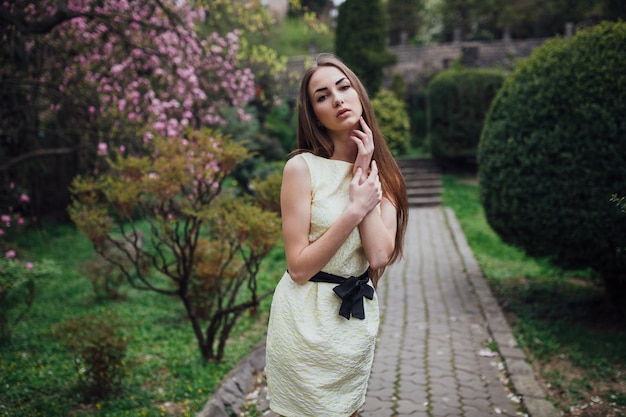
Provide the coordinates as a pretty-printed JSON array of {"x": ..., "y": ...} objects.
[{"x": 317, "y": 362}]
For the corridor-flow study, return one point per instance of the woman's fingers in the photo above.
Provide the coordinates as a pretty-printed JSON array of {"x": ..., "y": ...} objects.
[{"x": 364, "y": 142}]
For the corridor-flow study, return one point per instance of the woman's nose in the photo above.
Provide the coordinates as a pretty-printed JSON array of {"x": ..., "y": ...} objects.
[{"x": 338, "y": 101}]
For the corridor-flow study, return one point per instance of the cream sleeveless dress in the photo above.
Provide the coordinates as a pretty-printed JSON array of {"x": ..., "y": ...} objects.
[{"x": 317, "y": 362}]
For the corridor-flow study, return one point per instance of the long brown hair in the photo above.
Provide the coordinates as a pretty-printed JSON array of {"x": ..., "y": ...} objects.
[{"x": 315, "y": 139}]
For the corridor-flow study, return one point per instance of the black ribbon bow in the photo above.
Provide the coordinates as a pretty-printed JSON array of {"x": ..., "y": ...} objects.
[{"x": 350, "y": 290}]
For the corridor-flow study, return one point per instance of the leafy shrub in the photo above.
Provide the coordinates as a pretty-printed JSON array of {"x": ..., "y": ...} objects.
[
  {"x": 103, "y": 271},
  {"x": 393, "y": 120},
  {"x": 182, "y": 197},
  {"x": 106, "y": 280},
  {"x": 457, "y": 101},
  {"x": 18, "y": 282},
  {"x": 280, "y": 123},
  {"x": 267, "y": 191},
  {"x": 553, "y": 151},
  {"x": 97, "y": 348}
]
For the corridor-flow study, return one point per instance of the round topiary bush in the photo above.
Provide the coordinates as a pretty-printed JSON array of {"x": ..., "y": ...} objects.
[
  {"x": 553, "y": 152},
  {"x": 393, "y": 120},
  {"x": 457, "y": 101}
]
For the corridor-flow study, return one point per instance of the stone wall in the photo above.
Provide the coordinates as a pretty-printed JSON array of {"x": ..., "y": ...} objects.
[{"x": 417, "y": 64}]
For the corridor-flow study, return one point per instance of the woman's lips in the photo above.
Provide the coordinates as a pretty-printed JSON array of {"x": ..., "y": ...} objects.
[{"x": 343, "y": 113}]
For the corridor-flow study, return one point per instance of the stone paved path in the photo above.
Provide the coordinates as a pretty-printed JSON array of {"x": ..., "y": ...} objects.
[
  {"x": 444, "y": 348},
  {"x": 436, "y": 355}
]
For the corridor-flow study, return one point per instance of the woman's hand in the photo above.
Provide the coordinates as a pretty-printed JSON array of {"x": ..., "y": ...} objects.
[
  {"x": 365, "y": 194},
  {"x": 364, "y": 141}
]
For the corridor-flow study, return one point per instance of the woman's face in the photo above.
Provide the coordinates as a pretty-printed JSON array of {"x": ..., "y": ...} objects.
[{"x": 335, "y": 102}]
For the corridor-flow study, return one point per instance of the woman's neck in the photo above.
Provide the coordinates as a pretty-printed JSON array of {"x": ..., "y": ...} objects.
[{"x": 344, "y": 148}]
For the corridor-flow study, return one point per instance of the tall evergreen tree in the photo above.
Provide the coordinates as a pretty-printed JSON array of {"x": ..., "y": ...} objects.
[
  {"x": 404, "y": 17},
  {"x": 361, "y": 40}
]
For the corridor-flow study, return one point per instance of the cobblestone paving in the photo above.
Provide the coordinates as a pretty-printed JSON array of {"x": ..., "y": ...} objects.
[{"x": 432, "y": 357}]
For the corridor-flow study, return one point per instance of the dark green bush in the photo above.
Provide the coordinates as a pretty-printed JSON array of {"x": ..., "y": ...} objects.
[
  {"x": 457, "y": 101},
  {"x": 97, "y": 348},
  {"x": 416, "y": 107},
  {"x": 361, "y": 41},
  {"x": 393, "y": 120},
  {"x": 553, "y": 153}
]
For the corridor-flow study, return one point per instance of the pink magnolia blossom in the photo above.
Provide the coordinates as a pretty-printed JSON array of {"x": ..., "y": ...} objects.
[
  {"x": 10, "y": 254},
  {"x": 102, "y": 149},
  {"x": 188, "y": 65},
  {"x": 146, "y": 67},
  {"x": 29, "y": 265},
  {"x": 24, "y": 198}
]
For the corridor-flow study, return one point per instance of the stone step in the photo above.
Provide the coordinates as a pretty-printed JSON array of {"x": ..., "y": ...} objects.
[
  {"x": 419, "y": 182},
  {"x": 423, "y": 181},
  {"x": 424, "y": 201},
  {"x": 423, "y": 192}
]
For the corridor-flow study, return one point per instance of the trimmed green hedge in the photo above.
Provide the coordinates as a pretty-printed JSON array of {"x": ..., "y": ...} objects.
[
  {"x": 553, "y": 152},
  {"x": 457, "y": 101},
  {"x": 393, "y": 120}
]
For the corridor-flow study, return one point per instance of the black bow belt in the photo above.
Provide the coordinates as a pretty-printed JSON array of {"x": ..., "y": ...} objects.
[{"x": 350, "y": 290}]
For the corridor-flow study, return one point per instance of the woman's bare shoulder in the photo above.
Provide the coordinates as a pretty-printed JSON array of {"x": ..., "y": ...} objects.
[{"x": 296, "y": 166}]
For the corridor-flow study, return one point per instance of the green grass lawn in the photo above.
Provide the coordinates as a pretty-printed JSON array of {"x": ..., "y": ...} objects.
[
  {"x": 575, "y": 341},
  {"x": 163, "y": 365}
]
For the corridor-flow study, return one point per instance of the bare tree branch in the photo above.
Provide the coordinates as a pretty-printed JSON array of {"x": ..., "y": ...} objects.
[{"x": 36, "y": 154}]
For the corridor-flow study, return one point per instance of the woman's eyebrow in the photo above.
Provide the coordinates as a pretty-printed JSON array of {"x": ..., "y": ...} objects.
[{"x": 326, "y": 88}]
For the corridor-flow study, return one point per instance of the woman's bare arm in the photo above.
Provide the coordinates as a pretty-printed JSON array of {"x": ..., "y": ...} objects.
[
  {"x": 378, "y": 234},
  {"x": 305, "y": 259}
]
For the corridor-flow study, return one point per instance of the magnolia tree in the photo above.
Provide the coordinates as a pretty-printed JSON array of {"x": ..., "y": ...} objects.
[
  {"x": 91, "y": 77},
  {"x": 78, "y": 73},
  {"x": 144, "y": 60},
  {"x": 193, "y": 241}
]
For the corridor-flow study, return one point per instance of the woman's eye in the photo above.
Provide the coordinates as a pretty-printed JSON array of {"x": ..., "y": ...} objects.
[
  {"x": 345, "y": 87},
  {"x": 321, "y": 98}
]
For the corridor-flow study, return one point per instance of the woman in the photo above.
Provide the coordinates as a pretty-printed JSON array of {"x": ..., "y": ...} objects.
[{"x": 344, "y": 212}]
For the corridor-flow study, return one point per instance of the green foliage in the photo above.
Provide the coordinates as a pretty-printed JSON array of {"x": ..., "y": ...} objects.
[
  {"x": 398, "y": 86},
  {"x": 552, "y": 154},
  {"x": 103, "y": 272},
  {"x": 620, "y": 202},
  {"x": 296, "y": 36},
  {"x": 486, "y": 19},
  {"x": 224, "y": 16},
  {"x": 163, "y": 367},
  {"x": 281, "y": 124},
  {"x": 227, "y": 263},
  {"x": 178, "y": 193},
  {"x": 105, "y": 279},
  {"x": 416, "y": 108},
  {"x": 361, "y": 41},
  {"x": 267, "y": 192},
  {"x": 18, "y": 282},
  {"x": 559, "y": 317},
  {"x": 457, "y": 101},
  {"x": 97, "y": 349},
  {"x": 404, "y": 17},
  {"x": 393, "y": 120}
]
